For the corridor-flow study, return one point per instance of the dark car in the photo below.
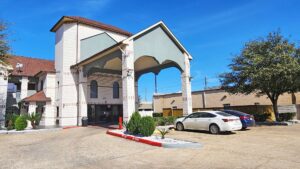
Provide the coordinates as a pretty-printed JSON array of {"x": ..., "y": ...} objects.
[{"x": 246, "y": 119}]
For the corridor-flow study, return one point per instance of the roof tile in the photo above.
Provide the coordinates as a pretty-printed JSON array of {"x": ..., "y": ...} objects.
[
  {"x": 39, "y": 96},
  {"x": 31, "y": 66}
]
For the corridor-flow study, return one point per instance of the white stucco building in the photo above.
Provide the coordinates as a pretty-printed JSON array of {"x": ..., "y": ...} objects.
[{"x": 96, "y": 70}]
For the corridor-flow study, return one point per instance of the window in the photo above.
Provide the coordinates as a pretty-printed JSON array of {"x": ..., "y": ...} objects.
[
  {"x": 94, "y": 89},
  {"x": 226, "y": 106},
  {"x": 223, "y": 114},
  {"x": 42, "y": 84},
  {"x": 31, "y": 86},
  {"x": 116, "y": 90},
  {"x": 194, "y": 115},
  {"x": 207, "y": 115}
]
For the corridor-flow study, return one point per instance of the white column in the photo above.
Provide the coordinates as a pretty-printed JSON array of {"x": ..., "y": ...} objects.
[
  {"x": 136, "y": 90},
  {"x": 82, "y": 91},
  {"x": 31, "y": 109},
  {"x": 186, "y": 88},
  {"x": 128, "y": 83},
  {"x": 24, "y": 87},
  {"x": 3, "y": 96}
]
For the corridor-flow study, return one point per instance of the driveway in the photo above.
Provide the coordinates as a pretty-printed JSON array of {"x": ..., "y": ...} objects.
[{"x": 259, "y": 147}]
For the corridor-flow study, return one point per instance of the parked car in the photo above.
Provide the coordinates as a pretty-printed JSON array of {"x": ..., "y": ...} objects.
[
  {"x": 212, "y": 121},
  {"x": 246, "y": 119}
]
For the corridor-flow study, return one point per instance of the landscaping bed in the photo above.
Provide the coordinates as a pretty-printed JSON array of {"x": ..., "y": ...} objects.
[{"x": 155, "y": 140}]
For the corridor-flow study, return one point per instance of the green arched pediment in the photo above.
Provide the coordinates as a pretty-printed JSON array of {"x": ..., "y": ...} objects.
[
  {"x": 92, "y": 45},
  {"x": 158, "y": 44}
]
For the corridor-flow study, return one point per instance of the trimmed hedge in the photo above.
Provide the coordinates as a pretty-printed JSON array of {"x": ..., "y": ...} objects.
[
  {"x": 286, "y": 116},
  {"x": 21, "y": 123},
  {"x": 147, "y": 126},
  {"x": 134, "y": 123}
]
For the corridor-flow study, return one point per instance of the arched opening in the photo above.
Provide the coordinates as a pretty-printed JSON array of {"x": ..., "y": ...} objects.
[{"x": 153, "y": 78}]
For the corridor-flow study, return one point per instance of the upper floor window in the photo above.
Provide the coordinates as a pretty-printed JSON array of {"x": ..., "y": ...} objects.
[
  {"x": 116, "y": 90},
  {"x": 94, "y": 89},
  {"x": 31, "y": 86},
  {"x": 42, "y": 85}
]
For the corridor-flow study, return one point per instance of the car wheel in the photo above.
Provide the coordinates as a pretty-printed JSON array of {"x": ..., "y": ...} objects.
[
  {"x": 214, "y": 129},
  {"x": 179, "y": 126}
]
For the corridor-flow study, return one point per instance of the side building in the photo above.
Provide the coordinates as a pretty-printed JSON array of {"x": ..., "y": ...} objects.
[{"x": 217, "y": 99}]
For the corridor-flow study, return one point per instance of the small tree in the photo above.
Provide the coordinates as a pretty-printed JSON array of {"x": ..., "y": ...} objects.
[
  {"x": 4, "y": 47},
  {"x": 268, "y": 66}
]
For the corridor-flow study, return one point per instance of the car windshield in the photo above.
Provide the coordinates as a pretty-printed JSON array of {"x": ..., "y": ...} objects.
[{"x": 223, "y": 114}]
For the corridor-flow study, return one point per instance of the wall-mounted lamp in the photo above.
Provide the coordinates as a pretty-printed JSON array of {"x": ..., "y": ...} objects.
[{"x": 129, "y": 72}]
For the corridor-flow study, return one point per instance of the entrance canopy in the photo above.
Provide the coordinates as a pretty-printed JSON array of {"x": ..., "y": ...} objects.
[
  {"x": 154, "y": 48},
  {"x": 150, "y": 50}
]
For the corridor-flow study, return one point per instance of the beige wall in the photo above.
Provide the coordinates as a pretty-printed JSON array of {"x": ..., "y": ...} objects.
[
  {"x": 217, "y": 98},
  {"x": 105, "y": 90}
]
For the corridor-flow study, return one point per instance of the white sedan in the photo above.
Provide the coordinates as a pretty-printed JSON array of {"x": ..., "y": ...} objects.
[{"x": 212, "y": 121}]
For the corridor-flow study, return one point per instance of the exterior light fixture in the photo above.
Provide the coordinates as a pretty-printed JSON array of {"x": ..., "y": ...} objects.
[{"x": 129, "y": 72}]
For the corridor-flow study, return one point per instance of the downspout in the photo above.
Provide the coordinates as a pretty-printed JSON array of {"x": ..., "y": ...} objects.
[
  {"x": 78, "y": 77},
  {"x": 204, "y": 99}
]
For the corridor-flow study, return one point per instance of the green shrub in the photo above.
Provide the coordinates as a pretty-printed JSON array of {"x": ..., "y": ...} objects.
[
  {"x": 160, "y": 121},
  {"x": 286, "y": 116},
  {"x": 163, "y": 121},
  {"x": 261, "y": 117},
  {"x": 147, "y": 126},
  {"x": 134, "y": 123},
  {"x": 171, "y": 120},
  {"x": 10, "y": 119},
  {"x": 21, "y": 123},
  {"x": 157, "y": 114}
]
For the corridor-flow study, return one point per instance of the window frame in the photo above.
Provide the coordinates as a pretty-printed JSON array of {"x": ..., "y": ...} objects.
[
  {"x": 93, "y": 89},
  {"x": 116, "y": 90}
]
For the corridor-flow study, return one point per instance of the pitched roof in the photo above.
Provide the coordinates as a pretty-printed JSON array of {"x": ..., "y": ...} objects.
[
  {"x": 37, "y": 97},
  {"x": 90, "y": 23},
  {"x": 31, "y": 66}
]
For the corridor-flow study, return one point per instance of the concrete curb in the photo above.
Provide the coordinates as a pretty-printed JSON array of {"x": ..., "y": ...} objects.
[
  {"x": 29, "y": 131},
  {"x": 137, "y": 139},
  {"x": 71, "y": 127}
]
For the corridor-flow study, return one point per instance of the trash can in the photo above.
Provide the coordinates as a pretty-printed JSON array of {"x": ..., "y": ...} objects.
[{"x": 84, "y": 121}]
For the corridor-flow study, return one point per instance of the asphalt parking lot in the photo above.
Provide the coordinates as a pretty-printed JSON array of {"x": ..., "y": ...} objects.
[{"x": 259, "y": 147}]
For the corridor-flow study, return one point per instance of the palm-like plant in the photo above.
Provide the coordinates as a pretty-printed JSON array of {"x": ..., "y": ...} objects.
[
  {"x": 33, "y": 118},
  {"x": 163, "y": 131}
]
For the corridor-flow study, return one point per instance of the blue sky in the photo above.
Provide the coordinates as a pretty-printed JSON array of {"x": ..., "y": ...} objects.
[{"x": 212, "y": 31}]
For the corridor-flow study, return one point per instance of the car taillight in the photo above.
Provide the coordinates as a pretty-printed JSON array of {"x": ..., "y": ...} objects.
[
  {"x": 228, "y": 120},
  {"x": 244, "y": 117}
]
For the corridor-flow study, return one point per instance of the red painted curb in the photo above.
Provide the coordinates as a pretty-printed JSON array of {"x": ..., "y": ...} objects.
[
  {"x": 71, "y": 127},
  {"x": 137, "y": 139}
]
